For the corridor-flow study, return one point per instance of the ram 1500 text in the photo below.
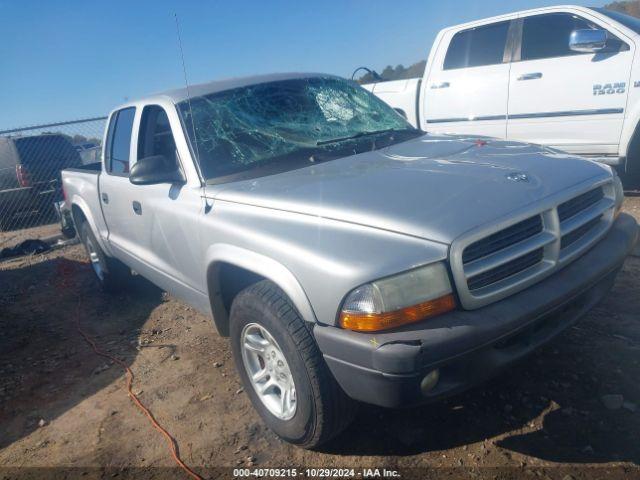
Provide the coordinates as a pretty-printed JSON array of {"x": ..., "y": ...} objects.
[{"x": 345, "y": 253}]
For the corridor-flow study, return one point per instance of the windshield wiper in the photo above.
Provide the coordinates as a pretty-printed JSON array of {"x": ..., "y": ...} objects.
[{"x": 361, "y": 134}]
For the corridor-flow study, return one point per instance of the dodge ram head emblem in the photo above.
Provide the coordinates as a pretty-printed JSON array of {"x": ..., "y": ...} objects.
[{"x": 518, "y": 177}]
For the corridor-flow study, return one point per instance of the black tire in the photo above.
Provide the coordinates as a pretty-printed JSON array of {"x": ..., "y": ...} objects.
[
  {"x": 323, "y": 410},
  {"x": 630, "y": 172},
  {"x": 113, "y": 275},
  {"x": 630, "y": 181}
]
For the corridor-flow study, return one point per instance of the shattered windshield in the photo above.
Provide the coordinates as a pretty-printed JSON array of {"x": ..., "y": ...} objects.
[{"x": 286, "y": 124}]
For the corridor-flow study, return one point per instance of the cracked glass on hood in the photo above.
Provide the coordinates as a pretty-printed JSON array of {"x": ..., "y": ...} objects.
[{"x": 285, "y": 124}]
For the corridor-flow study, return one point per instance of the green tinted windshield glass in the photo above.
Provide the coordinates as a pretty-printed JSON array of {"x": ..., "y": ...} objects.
[{"x": 244, "y": 128}]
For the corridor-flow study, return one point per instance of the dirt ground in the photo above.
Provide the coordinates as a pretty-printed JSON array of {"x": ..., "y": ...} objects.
[{"x": 62, "y": 406}]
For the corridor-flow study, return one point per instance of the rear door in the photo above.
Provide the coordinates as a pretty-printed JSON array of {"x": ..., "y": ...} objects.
[
  {"x": 570, "y": 100},
  {"x": 467, "y": 86},
  {"x": 114, "y": 184}
]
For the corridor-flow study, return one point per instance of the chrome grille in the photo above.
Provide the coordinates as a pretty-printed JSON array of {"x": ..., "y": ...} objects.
[
  {"x": 502, "y": 239},
  {"x": 576, "y": 205},
  {"x": 495, "y": 262},
  {"x": 506, "y": 270},
  {"x": 578, "y": 233}
]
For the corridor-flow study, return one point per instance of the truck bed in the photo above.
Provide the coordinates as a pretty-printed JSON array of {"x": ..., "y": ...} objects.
[
  {"x": 81, "y": 187},
  {"x": 88, "y": 168},
  {"x": 403, "y": 95}
]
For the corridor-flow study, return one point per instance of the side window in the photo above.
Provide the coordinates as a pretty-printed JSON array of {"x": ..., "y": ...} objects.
[
  {"x": 155, "y": 137},
  {"x": 117, "y": 161},
  {"x": 477, "y": 46},
  {"x": 547, "y": 36}
]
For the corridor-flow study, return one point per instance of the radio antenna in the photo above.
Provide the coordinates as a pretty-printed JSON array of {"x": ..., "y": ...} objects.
[{"x": 186, "y": 83}]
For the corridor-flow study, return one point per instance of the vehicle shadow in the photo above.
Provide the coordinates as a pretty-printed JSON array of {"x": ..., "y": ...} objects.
[
  {"x": 46, "y": 368},
  {"x": 547, "y": 407}
]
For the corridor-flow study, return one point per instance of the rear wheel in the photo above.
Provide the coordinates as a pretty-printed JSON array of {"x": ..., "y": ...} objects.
[
  {"x": 111, "y": 273},
  {"x": 282, "y": 369}
]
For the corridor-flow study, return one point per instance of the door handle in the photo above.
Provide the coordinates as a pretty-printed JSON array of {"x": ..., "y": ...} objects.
[
  {"x": 137, "y": 208},
  {"x": 440, "y": 85},
  {"x": 530, "y": 76},
  {"x": 105, "y": 198}
]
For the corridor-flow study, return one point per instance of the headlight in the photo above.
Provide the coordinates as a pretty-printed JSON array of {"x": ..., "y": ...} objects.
[
  {"x": 619, "y": 192},
  {"x": 393, "y": 301}
]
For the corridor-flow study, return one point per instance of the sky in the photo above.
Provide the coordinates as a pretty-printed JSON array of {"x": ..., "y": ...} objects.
[{"x": 65, "y": 60}]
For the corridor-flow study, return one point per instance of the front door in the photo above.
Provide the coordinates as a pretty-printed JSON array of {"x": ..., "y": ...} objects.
[
  {"x": 166, "y": 215},
  {"x": 570, "y": 100},
  {"x": 152, "y": 228}
]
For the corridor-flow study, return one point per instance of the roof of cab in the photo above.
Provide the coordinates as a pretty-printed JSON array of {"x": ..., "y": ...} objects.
[
  {"x": 179, "y": 94},
  {"x": 511, "y": 15}
]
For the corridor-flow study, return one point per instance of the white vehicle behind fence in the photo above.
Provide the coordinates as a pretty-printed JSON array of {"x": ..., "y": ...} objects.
[{"x": 562, "y": 76}]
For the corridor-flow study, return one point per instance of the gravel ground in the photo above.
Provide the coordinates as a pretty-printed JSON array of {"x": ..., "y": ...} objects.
[{"x": 62, "y": 406}]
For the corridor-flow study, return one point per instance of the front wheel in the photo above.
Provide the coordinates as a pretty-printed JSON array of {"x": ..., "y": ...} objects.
[
  {"x": 111, "y": 273},
  {"x": 282, "y": 369}
]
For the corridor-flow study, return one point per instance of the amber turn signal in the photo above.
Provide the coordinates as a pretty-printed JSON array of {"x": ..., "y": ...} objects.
[{"x": 374, "y": 322}]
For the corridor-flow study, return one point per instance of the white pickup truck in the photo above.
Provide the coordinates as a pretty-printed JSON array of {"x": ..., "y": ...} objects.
[{"x": 566, "y": 77}]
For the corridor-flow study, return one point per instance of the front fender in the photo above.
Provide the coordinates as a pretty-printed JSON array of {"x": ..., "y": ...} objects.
[{"x": 220, "y": 254}]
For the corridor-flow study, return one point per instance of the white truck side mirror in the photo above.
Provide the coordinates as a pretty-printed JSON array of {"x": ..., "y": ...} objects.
[{"x": 587, "y": 40}]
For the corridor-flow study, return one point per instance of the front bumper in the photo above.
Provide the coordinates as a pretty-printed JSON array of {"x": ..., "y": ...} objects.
[{"x": 469, "y": 346}]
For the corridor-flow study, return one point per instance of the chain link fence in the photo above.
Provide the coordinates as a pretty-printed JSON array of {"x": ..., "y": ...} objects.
[{"x": 31, "y": 159}]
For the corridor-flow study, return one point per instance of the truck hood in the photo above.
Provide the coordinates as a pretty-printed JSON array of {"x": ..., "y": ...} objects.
[{"x": 434, "y": 187}]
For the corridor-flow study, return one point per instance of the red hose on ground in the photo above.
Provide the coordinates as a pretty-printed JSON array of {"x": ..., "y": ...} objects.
[{"x": 66, "y": 270}]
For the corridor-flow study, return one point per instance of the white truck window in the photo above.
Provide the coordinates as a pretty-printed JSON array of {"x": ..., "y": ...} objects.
[
  {"x": 547, "y": 36},
  {"x": 120, "y": 144},
  {"x": 156, "y": 137},
  {"x": 477, "y": 46}
]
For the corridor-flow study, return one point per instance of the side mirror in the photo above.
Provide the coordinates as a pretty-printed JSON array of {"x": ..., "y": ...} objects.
[
  {"x": 154, "y": 170},
  {"x": 588, "y": 41}
]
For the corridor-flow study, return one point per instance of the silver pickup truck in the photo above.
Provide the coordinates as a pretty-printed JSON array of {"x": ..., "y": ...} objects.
[{"x": 347, "y": 255}]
